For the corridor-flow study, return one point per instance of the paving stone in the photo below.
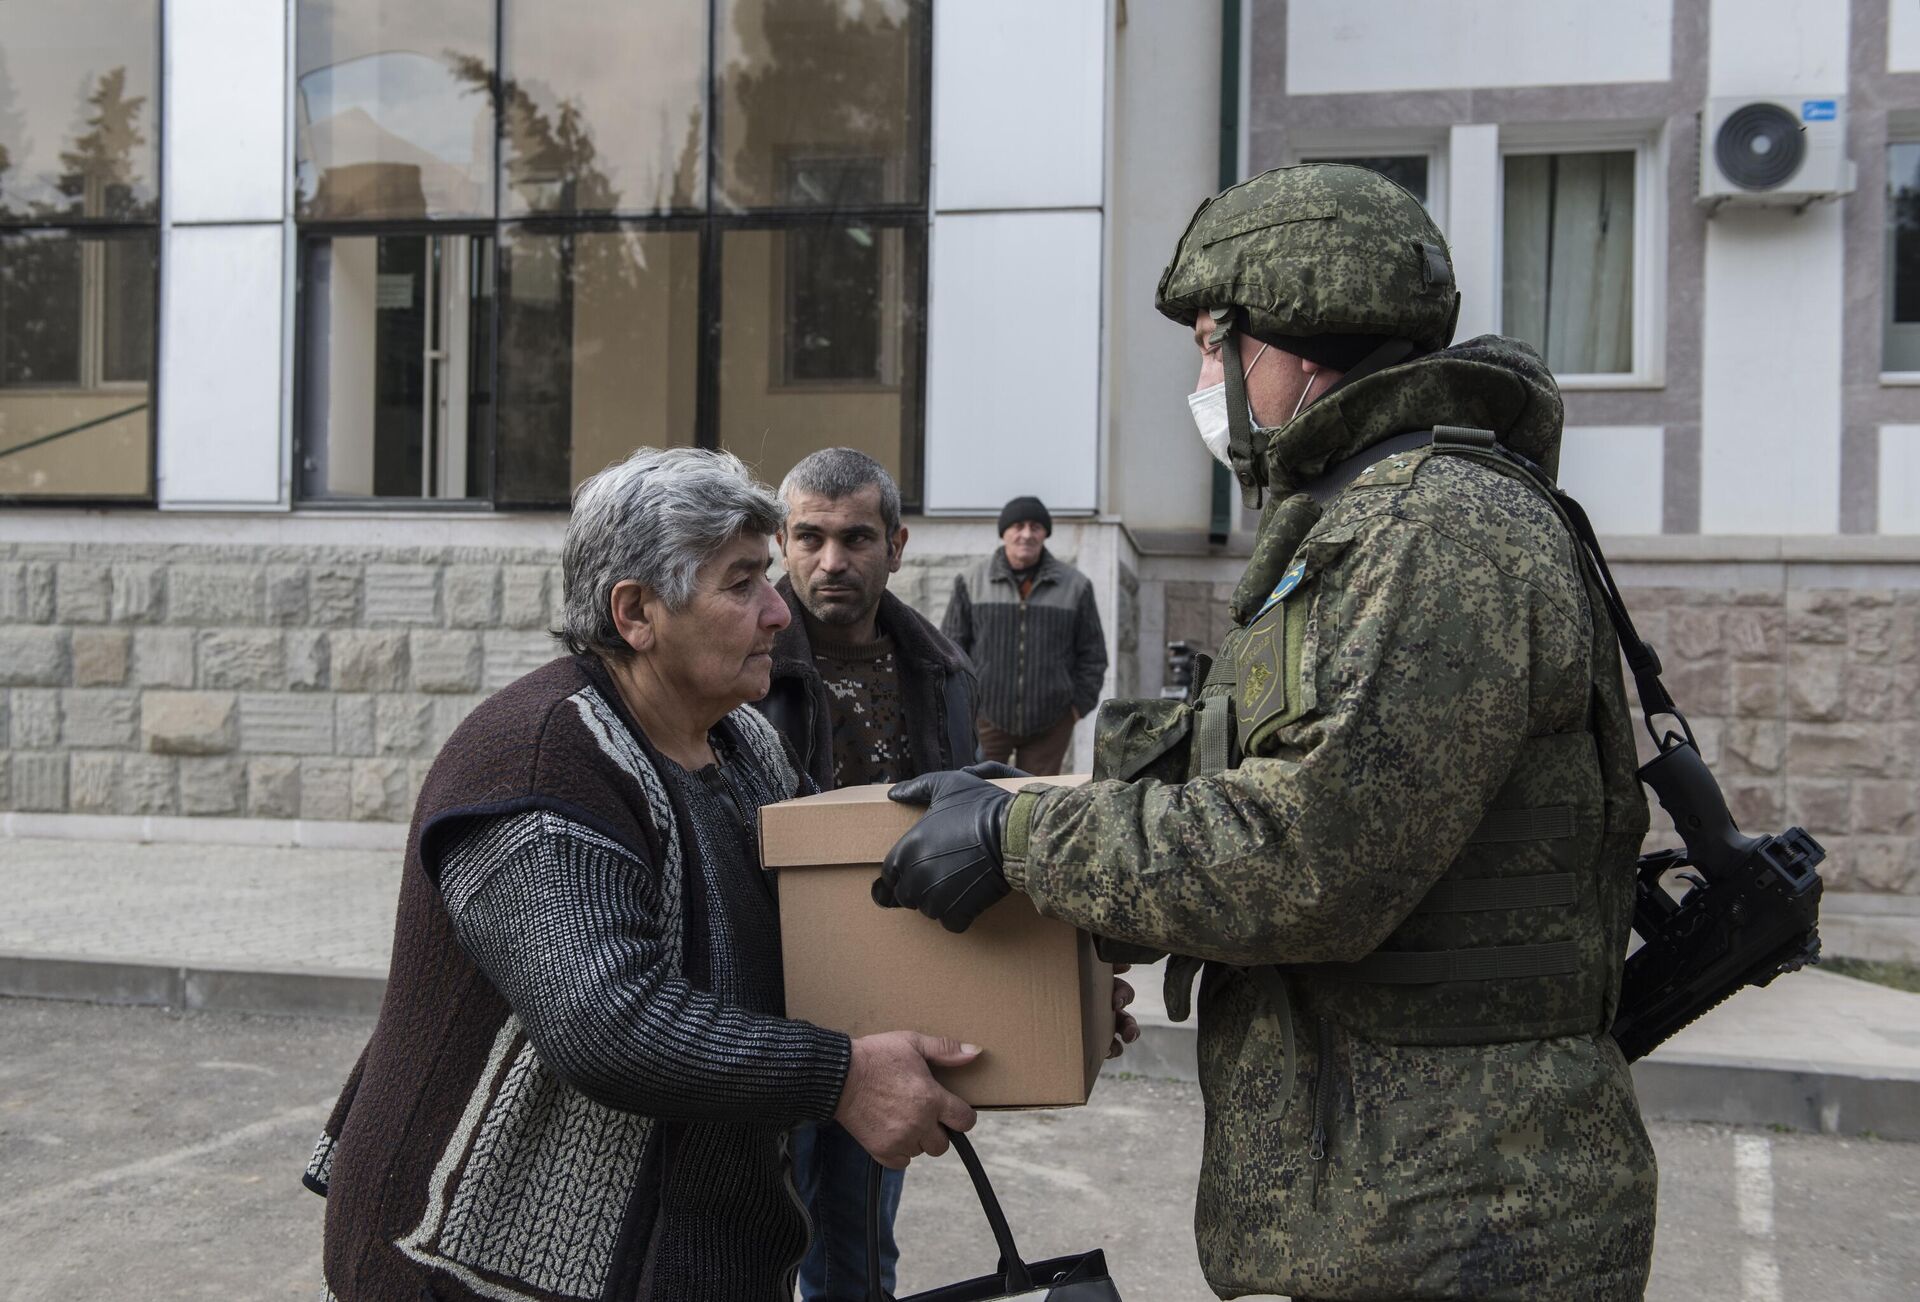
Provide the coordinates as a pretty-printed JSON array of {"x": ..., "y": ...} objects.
[
  {"x": 403, "y": 725},
  {"x": 1754, "y": 633},
  {"x": 445, "y": 662},
  {"x": 307, "y": 659},
  {"x": 32, "y": 657},
  {"x": 39, "y": 782},
  {"x": 122, "y": 784},
  {"x": 353, "y": 724},
  {"x": 1889, "y": 808},
  {"x": 1821, "y": 805},
  {"x": 1756, "y": 803},
  {"x": 472, "y": 595},
  {"x": 1846, "y": 750},
  {"x": 163, "y": 657},
  {"x": 34, "y": 718},
  {"x": 524, "y": 599},
  {"x": 1881, "y": 692},
  {"x": 402, "y": 594},
  {"x": 1696, "y": 632},
  {"x": 379, "y": 791},
  {"x": 286, "y": 594},
  {"x": 26, "y": 593},
  {"x": 188, "y": 723},
  {"x": 242, "y": 658},
  {"x": 363, "y": 660},
  {"x": 83, "y": 593},
  {"x": 139, "y": 593},
  {"x": 100, "y": 656},
  {"x": 95, "y": 783},
  {"x": 286, "y": 725},
  {"x": 99, "y": 719},
  {"x": 333, "y": 596},
  {"x": 1754, "y": 745},
  {"x": 215, "y": 595},
  {"x": 326, "y": 788},
  {"x": 1816, "y": 679},
  {"x": 1817, "y": 616},
  {"x": 508, "y": 656},
  {"x": 1756, "y": 688},
  {"x": 212, "y": 785},
  {"x": 273, "y": 787}
]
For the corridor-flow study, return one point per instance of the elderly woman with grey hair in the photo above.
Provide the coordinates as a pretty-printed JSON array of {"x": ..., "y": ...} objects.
[{"x": 581, "y": 1082}]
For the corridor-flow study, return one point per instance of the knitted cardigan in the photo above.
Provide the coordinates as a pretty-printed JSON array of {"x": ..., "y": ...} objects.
[{"x": 456, "y": 1164}]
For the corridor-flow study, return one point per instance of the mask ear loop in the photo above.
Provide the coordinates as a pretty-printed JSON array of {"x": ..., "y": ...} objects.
[{"x": 1303, "y": 400}]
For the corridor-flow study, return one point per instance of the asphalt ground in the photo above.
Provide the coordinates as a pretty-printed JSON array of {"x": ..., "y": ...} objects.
[{"x": 148, "y": 1154}]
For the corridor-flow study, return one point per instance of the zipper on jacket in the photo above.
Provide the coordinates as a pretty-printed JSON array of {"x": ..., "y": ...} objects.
[
  {"x": 1322, "y": 1108},
  {"x": 1020, "y": 669},
  {"x": 792, "y": 1273}
]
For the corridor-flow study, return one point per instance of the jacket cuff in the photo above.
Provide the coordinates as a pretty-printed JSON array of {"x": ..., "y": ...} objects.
[
  {"x": 1015, "y": 840},
  {"x": 820, "y": 1086}
]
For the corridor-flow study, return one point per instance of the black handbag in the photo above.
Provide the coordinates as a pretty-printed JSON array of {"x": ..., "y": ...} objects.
[{"x": 1080, "y": 1278}]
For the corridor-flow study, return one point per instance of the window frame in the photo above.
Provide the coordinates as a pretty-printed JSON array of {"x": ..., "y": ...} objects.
[
  {"x": 1902, "y": 129},
  {"x": 1648, "y": 143},
  {"x": 1332, "y": 145},
  {"x": 93, "y": 317},
  {"x": 713, "y": 222}
]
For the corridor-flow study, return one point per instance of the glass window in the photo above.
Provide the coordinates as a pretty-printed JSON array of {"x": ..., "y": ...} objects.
[
  {"x": 1406, "y": 170},
  {"x": 599, "y": 353},
  {"x": 804, "y": 82},
  {"x": 393, "y": 113},
  {"x": 605, "y": 107},
  {"x": 1568, "y": 258},
  {"x": 1900, "y": 349},
  {"x": 79, "y": 117},
  {"x": 817, "y": 327},
  {"x": 76, "y": 361}
]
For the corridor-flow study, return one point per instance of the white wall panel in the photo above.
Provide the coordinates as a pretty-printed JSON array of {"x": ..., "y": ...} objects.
[
  {"x": 220, "y": 366},
  {"x": 1773, "y": 47},
  {"x": 1903, "y": 36},
  {"x": 1616, "y": 473},
  {"x": 1019, "y": 103},
  {"x": 1900, "y": 479},
  {"x": 1770, "y": 377},
  {"x": 1013, "y": 360},
  {"x": 1473, "y": 225},
  {"x": 226, "y": 89},
  {"x": 1337, "y": 46}
]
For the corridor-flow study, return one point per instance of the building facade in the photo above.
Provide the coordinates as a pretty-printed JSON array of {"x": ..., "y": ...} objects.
[{"x": 313, "y": 312}]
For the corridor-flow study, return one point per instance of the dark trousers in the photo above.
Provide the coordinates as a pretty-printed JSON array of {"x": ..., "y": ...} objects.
[
  {"x": 1039, "y": 753},
  {"x": 830, "y": 1173}
]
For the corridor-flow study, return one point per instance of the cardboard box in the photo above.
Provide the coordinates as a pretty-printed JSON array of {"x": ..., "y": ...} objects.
[{"x": 1028, "y": 990}]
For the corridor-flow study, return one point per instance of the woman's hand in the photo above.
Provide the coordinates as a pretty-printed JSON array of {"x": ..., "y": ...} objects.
[
  {"x": 1125, "y": 1029},
  {"x": 891, "y": 1104}
]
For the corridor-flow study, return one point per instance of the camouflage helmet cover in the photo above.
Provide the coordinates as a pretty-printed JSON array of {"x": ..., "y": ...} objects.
[{"x": 1317, "y": 249}]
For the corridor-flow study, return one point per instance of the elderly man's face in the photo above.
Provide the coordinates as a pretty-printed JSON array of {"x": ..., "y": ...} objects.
[
  {"x": 838, "y": 554},
  {"x": 1023, "y": 542},
  {"x": 718, "y": 648}
]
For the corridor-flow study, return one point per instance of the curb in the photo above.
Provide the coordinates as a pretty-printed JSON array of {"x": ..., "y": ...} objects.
[{"x": 1826, "y": 1098}]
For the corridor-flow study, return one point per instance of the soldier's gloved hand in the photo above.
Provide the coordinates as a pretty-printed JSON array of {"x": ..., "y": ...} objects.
[
  {"x": 948, "y": 865},
  {"x": 995, "y": 769}
]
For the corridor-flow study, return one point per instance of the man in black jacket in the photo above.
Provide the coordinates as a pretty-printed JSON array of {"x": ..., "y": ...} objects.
[{"x": 866, "y": 691}]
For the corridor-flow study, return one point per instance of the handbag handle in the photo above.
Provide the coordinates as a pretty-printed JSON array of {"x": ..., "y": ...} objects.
[{"x": 1016, "y": 1275}]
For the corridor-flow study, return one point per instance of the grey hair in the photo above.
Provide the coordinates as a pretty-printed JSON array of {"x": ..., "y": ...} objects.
[
  {"x": 836, "y": 473},
  {"x": 653, "y": 518}
]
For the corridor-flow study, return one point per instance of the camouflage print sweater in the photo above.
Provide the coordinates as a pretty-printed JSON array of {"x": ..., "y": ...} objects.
[{"x": 1446, "y": 629}]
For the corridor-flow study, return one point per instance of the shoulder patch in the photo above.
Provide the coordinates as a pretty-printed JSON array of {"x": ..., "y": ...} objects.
[
  {"x": 1288, "y": 582},
  {"x": 1394, "y": 470}
]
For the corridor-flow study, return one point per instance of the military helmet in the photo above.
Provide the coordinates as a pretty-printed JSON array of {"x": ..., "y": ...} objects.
[{"x": 1321, "y": 249}]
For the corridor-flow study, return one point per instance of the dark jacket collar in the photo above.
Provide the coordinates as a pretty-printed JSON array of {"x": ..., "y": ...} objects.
[
  {"x": 916, "y": 641},
  {"x": 1047, "y": 571}
]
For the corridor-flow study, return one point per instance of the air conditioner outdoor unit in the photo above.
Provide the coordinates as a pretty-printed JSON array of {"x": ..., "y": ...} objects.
[{"x": 1784, "y": 151}]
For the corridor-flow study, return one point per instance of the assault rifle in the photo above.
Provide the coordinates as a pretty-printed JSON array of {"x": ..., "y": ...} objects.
[{"x": 1752, "y": 910}]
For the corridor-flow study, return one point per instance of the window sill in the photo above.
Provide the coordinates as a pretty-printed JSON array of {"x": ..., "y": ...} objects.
[
  {"x": 1899, "y": 379},
  {"x": 1605, "y": 383}
]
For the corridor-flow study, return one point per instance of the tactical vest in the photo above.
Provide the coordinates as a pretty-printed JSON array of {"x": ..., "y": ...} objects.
[{"x": 1515, "y": 941}]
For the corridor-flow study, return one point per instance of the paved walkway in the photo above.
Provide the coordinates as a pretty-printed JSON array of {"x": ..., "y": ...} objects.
[{"x": 310, "y": 930}]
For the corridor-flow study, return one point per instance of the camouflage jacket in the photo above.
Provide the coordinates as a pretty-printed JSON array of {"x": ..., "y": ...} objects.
[{"x": 1442, "y": 634}]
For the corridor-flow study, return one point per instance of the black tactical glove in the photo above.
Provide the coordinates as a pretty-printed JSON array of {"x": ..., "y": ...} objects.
[
  {"x": 948, "y": 865},
  {"x": 995, "y": 769}
]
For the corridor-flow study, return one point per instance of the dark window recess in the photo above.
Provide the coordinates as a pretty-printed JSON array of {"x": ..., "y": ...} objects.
[{"x": 1409, "y": 171}]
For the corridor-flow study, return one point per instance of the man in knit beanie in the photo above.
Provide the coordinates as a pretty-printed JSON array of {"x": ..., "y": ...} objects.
[{"x": 1030, "y": 624}]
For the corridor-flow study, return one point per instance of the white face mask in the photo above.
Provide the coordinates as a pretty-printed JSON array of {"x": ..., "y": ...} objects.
[{"x": 1209, "y": 408}]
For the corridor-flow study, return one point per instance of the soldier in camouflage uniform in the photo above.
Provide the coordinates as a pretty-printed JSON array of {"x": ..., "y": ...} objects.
[{"x": 1396, "y": 831}]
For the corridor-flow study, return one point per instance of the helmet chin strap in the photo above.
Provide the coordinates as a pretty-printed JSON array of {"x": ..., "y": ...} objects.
[{"x": 1246, "y": 444}]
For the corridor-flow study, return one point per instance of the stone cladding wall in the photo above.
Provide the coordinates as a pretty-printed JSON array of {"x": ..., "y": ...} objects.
[
  {"x": 1802, "y": 699},
  {"x": 266, "y": 682}
]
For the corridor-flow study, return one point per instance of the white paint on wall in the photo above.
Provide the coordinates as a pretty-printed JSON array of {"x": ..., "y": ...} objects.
[
  {"x": 1903, "y": 35},
  {"x": 1336, "y": 46},
  {"x": 1770, "y": 377},
  {"x": 226, "y": 90},
  {"x": 1900, "y": 479},
  {"x": 1777, "y": 47},
  {"x": 1616, "y": 473},
  {"x": 1013, "y": 376},
  {"x": 1473, "y": 225},
  {"x": 1019, "y": 104},
  {"x": 220, "y": 373}
]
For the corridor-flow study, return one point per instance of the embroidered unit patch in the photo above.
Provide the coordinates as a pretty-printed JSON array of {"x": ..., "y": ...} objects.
[{"x": 1288, "y": 582}]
